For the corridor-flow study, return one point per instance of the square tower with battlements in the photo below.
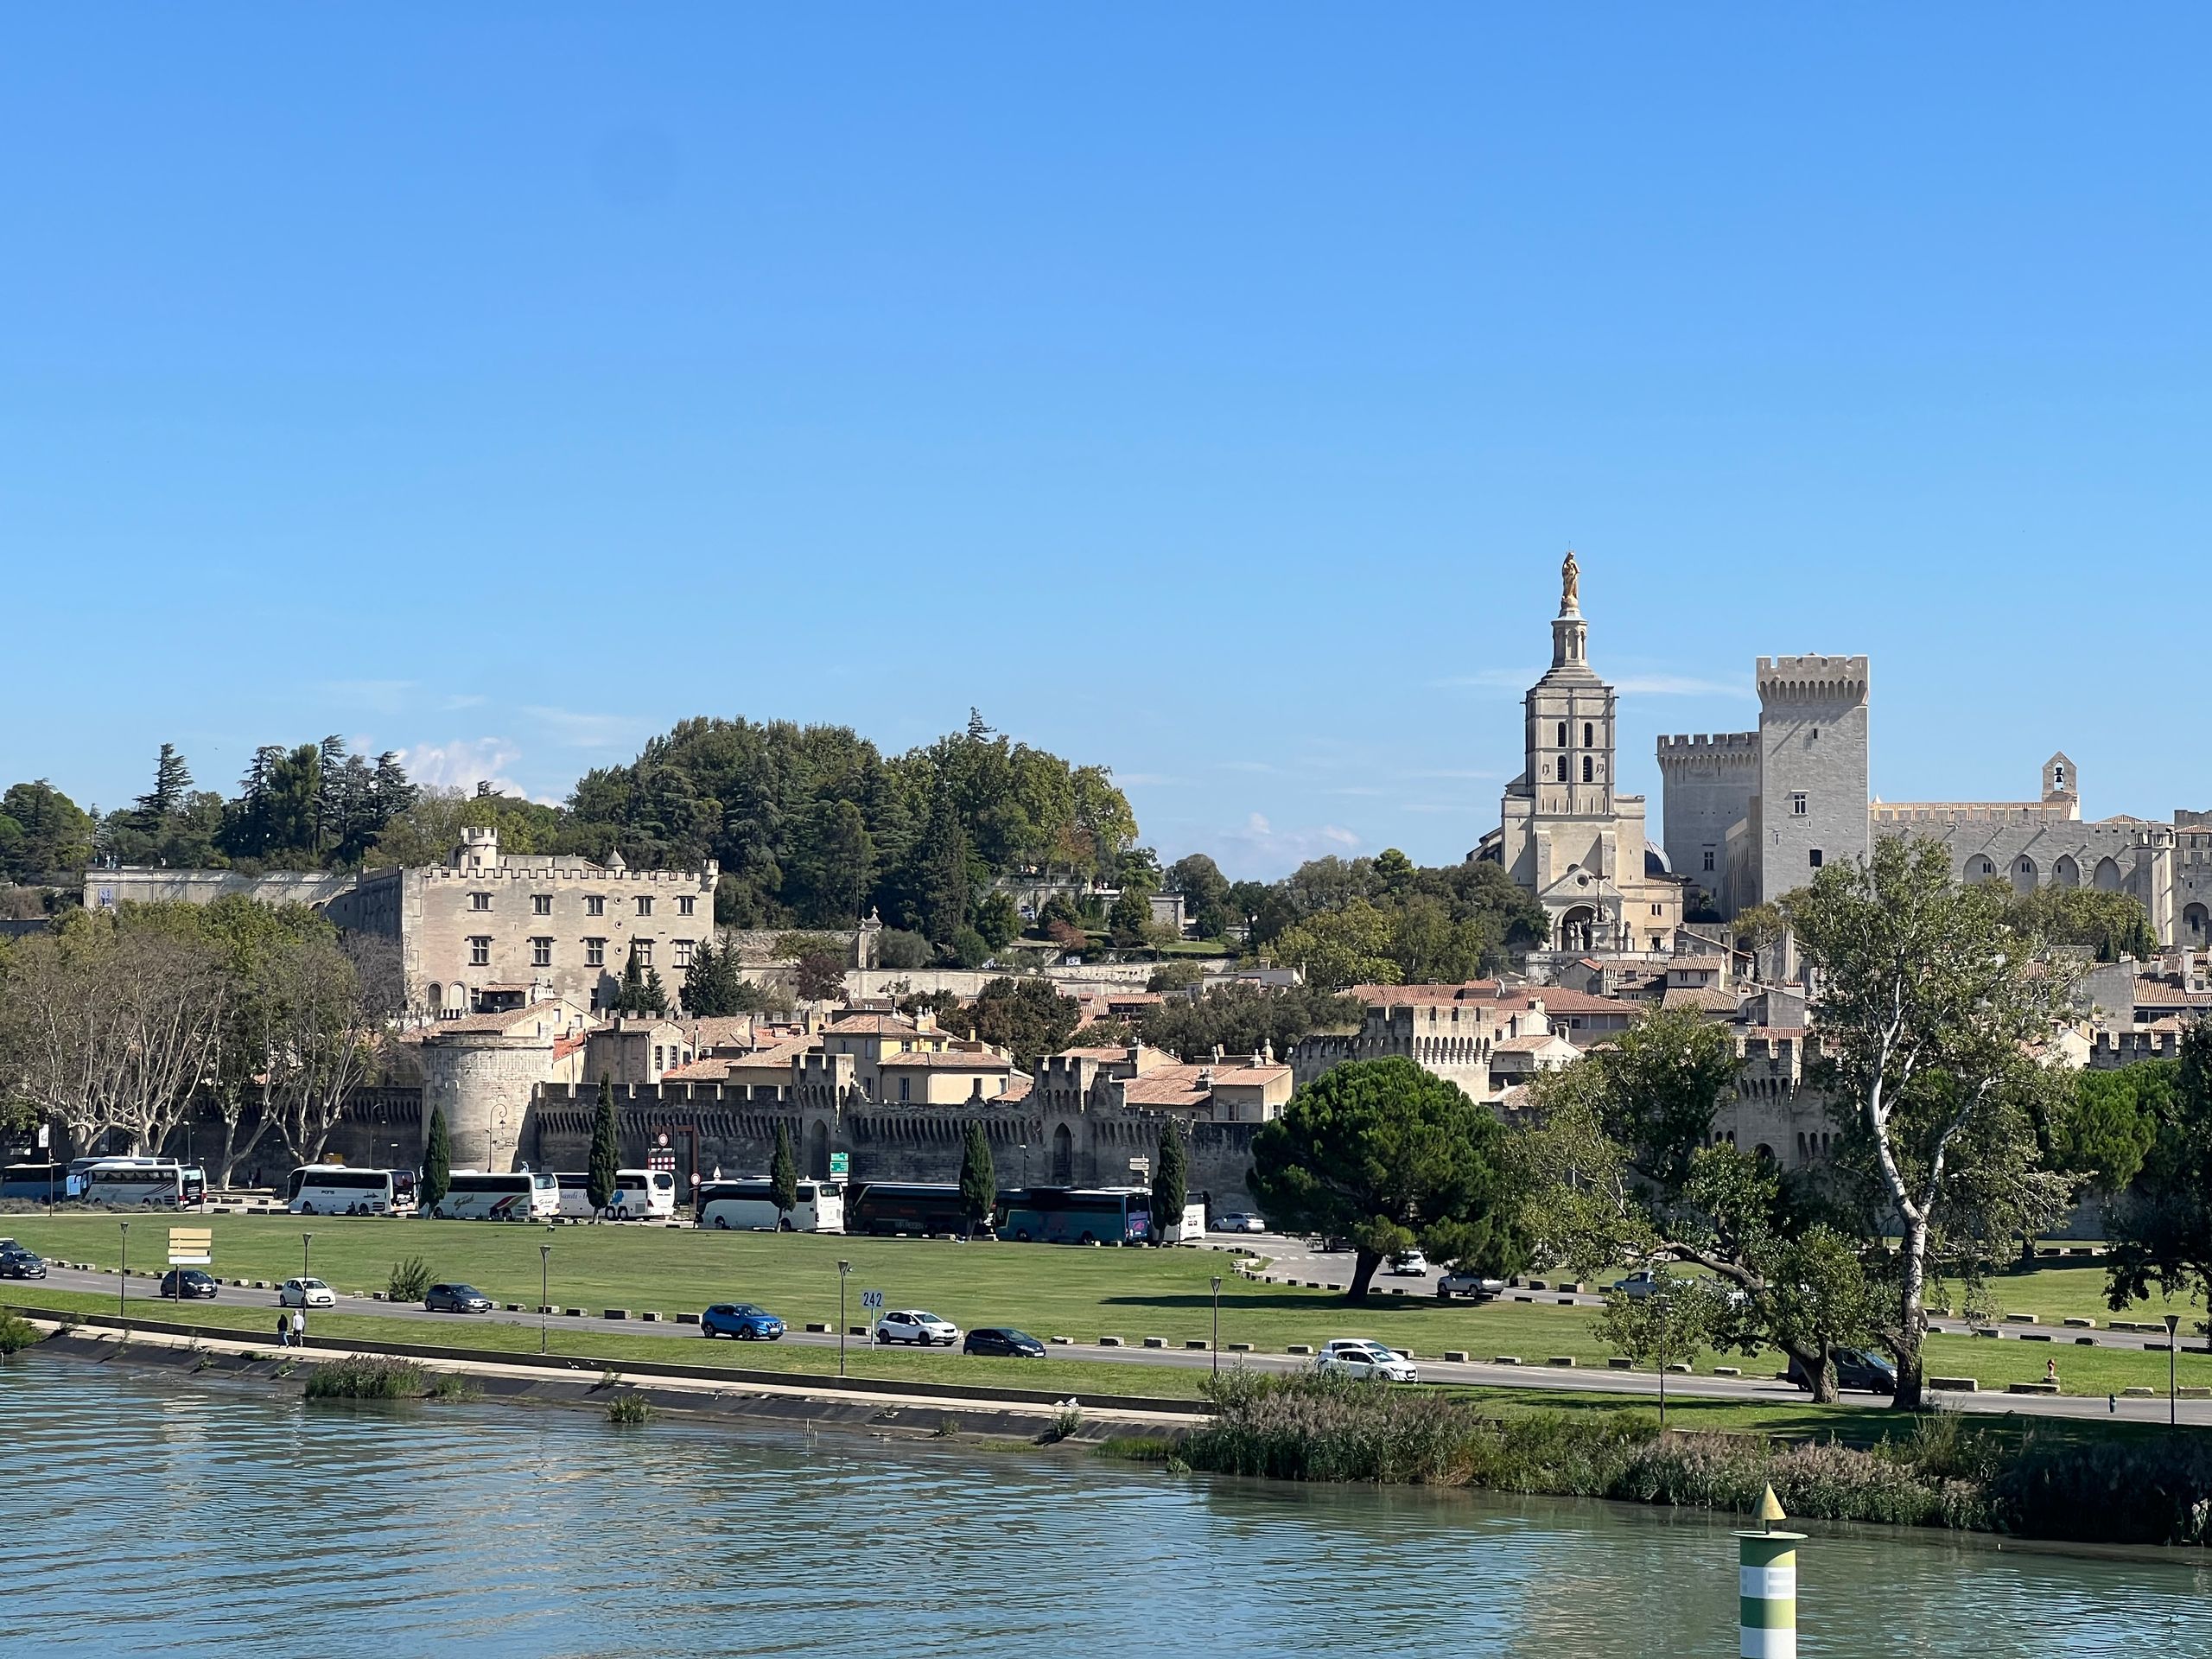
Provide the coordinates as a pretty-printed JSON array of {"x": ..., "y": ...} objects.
[{"x": 1814, "y": 781}]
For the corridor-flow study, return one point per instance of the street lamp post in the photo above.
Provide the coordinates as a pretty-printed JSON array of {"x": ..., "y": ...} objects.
[
  {"x": 306, "y": 1239},
  {"x": 2173, "y": 1348},
  {"x": 123, "y": 1277},
  {"x": 844, "y": 1272},
  {"x": 544, "y": 1287},
  {"x": 1217, "y": 1325}
]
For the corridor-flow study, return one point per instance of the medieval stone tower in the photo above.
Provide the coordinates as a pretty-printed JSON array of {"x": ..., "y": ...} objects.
[{"x": 1814, "y": 780}]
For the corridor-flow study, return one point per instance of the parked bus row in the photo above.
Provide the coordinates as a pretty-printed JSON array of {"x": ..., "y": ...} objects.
[{"x": 123, "y": 1183}]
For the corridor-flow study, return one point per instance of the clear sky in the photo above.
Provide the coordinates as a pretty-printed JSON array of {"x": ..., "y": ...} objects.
[{"x": 1209, "y": 392}]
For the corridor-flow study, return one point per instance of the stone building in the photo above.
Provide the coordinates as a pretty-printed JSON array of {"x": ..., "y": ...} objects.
[
  {"x": 1485, "y": 1036},
  {"x": 493, "y": 927},
  {"x": 1566, "y": 834}
]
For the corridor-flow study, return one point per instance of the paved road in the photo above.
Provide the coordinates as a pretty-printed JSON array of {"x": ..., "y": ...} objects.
[{"x": 453, "y": 1327}]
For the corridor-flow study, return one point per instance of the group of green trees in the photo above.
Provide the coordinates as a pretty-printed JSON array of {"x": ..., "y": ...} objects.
[
  {"x": 1955, "y": 1140},
  {"x": 116, "y": 1027}
]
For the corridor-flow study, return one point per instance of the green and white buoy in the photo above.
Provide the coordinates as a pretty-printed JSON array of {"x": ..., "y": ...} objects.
[{"x": 1767, "y": 1620}]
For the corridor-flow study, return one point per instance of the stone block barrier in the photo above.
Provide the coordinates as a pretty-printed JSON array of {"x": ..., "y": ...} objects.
[
  {"x": 1194, "y": 1342},
  {"x": 2034, "y": 1336},
  {"x": 687, "y": 1319},
  {"x": 2031, "y": 1388},
  {"x": 2140, "y": 1393},
  {"x": 1566, "y": 1360},
  {"x": 1505, "y": 1359},
  {"x": 2021, "y": 1318},
  {"x": 543, "y": 1309},
  {"x": 1564, "y": 1301},
  {"x": 1064, "y": 1341},
  {"x": 1728, "y": 1370},
  {"x": 1455, "y": 1355},
  {"x": 1300, "y": 1348},
  {"x": 2080, "y": 1324},
  {"x": 649, "y": 1318},
  {"x": 572, "y": 1312},
  {"x": 1155, "y": 1342},
  {"x": 514, "y": 1308},
  {"x": 1619, "y": 1363},
  {"x": 1954, "y": 1384},
  {"x": 2186, "y": 1392},
  {"x": 858, "y": 1330},
  {"x": 615, "y": 1313},
  {"x": 1110, "y": 1341},
  {"x": 816, "y": 1328},
  {"x": 1680, "y": 1368}
]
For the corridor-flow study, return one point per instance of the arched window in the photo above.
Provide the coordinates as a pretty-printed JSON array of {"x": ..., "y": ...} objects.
[
  {"x": 1562, "y": 733},
  {"x": 1589, "y": 735},
  {"x": 1587, "y": 774}
]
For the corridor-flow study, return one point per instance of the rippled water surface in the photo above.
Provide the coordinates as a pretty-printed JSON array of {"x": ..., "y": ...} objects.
[{"x": 153, "y": 1515}]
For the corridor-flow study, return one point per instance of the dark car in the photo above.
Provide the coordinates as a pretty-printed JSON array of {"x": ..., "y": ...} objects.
[
  {"x": 1854, "y": 1369},
  {"x": 1003, "y": 1340},
  {"x": 19, "y": 1263},
  {"x": 457, "y": 1298},
  {"x": 742, "y": 1321},
  {"x": 187, "y": 1284}
]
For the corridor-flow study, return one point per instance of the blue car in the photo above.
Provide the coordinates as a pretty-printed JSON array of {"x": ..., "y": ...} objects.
[{"x": 740, "y": 1319}]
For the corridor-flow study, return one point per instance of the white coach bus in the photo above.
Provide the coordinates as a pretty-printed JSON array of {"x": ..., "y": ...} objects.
[
  {"x": 142, "y": 1183},
  {"x": 337, "y": 1190},
  {"x": 482, "y": 1195},
  {"x": 639, "y": 1195},
  {"x": 748, "y": 1206}
]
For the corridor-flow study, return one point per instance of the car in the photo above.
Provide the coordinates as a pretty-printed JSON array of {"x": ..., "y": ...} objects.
[
  {"x": 457, "y": 1298},
  {"x": 19, "y": 1263},
  {"x": 1854, "y": 1369},
  {"x": 742, "y": 1321},
  {"x": 1475, "y": 1286},
  {"x": 913, "y": 1325},
  {"x": 1644, "y": 1282},
  {"x": 1363, "y": 1356},
  {"x": 1238, "y": 1222},
  {"x": 1408, "y": 1264},
  {"x": 1003, "y": 1340},
  {"x": 305, "y": 1293},
  {"x": 187, "y": 1284}
]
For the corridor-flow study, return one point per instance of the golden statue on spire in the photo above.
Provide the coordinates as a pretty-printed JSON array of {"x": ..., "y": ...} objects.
[{"x": 1570, "y": 583}]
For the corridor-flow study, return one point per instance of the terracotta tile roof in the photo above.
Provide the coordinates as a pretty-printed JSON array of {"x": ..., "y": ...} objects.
[
  {"x": 1524, "y": 1044},
  {"x": 1709, "y": 998},
  {"x": 2157, "y": 994},
  {"x": 873, "y": 1025},
  {"x": 1103, "y": 1056},
  {"x": 1017, "y": 1088},
  {"x": 1557, "y": 999},
  {"x": 1163, "y": 1091},
  {"x": 964, "y": 1060},
  {"x": 1231, "y": 1074},
  {"x": 552, "y": 1015}
]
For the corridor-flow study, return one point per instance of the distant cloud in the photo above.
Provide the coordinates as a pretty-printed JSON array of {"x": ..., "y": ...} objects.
[
  {"x": 1349, "y": 791},
  {"x": 1245, "y": 766},
  {"x": 463, "y": 700},
  {"x": 463, "y": 764},
  {"x": 1449, "y": 773},
  {"x": 1259, "y": 844},
  {"x": 588, "y": 731}
]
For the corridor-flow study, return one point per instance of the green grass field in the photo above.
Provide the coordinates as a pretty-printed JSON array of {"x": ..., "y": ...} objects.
[{"x": 1047, "y": 1290}]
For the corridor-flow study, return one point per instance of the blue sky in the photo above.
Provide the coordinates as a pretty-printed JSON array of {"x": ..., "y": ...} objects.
[{"x": 1209, "y": 392}]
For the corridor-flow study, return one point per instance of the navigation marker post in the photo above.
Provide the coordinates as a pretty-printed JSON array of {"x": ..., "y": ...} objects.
[{"x": 1767, "y": 1587}]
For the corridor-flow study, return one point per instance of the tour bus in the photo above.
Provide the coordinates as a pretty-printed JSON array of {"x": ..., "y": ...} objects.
[
  {"x": 336, "y": 1189},
  {"x": 402, "y": 1192},
  {"x": 480, "y": 1195},
  {"x": 639, "y": 1195},
  {"x": 139, "y": 1183},
  {"x": 37, "y": 1182},
  {"x": 886, "y": 1207},
  {"x": 750, "y": 1206},
  {"x": 1068, "y": 1215}
]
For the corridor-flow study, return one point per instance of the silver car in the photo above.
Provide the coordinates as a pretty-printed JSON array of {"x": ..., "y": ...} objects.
[{"x": 1362, "y": 1357}]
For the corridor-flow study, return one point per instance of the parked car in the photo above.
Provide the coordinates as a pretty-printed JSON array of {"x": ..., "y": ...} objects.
[
  {"x": 1854, "y": 1369},
  {"x": 1004, "y": 1340},
  {"x": 742, "y": 1321},
  {"x": 1238, "y": 1222},
  {"x": 305, "y": 1293},
  {"x": 1473, "y": 1285},
  {"x": 1644, "y": 1282},
  {"x": 1362, "y": 1357},
  {"x": 186, "y": 1284},
  {"x": 913, "y": 1325},
  {"x": 1408, "y": 1264},
  {"x": 19, "y": 1263},
  {"x": 457, "y": 1298}
]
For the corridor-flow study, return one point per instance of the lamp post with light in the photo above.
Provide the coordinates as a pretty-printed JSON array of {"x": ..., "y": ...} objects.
[
  {"x": 844, "y": 1272},
  {"x": 2173, "y": 1348},
  {"x": 1217, "y": 1325}
]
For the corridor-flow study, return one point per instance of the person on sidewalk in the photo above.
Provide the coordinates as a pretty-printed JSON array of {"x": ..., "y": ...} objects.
[
  {"x": 284, "y": 1330},
  {"x": 299, "y": 1327},
  {"x": 2051, "y": 1372}
]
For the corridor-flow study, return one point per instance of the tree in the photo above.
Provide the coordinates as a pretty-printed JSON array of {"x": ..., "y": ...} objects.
[
  {"x": 1130, "y": 917},
  {"x": 2112, "y": 925},
  {"x": 968, "y": 948},
  {"x": 821, "y": 976},
  {"x": 713, "y": 985},
  {"x": 437, "y": 1160},
  {"x": 43, "y": 833},
  {"x": 1105, "y": 1034},
  {"x": 832, "y": 869},
  {"x": 896, "y": 948},
  {"x": 1928, "y": 1001},
  {"x": 1336, "y": 948},
  {"x": 978, "y": 1180},
  {"x": 172, "y": 785},
  {"x": 1205, "y": 893},
  {"x": 1378, "y": 1151},
  {"x": 1821, "y": 1300},
  {"x": 2161, "y": 1231},
  {"x": 997, "y": 921},
  {"x": 640, "y": 991},
  {"x": 656, "y": 995},
  {"x": 1025, "y": 1017},
  {"x": 782, "y": 1179},
  {"x": 605, "y": 1162},
  {"x": 1171, "y": 1181},
  {"x": 1663, "y": 1328},
  {"x": 1240, "y": 1018},
  {"x": 331, "y": 1005}
]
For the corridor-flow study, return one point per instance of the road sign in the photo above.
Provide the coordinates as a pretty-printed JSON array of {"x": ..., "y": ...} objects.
[
  {"x": 871, "y": 1301},
  {"x": 44, "y": 1130},
  {"x": 191, "y": 1247},
  {"x": 841, "y": 1165}
]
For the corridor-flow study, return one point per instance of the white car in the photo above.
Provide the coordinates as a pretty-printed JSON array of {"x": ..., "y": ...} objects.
[
  {"x": 1239, "y": 1223},
  {"x": 913, "y": 1325},
  {"x": 1359, "y": 1356},
  {"x": 1412, "y": 1264},
  {"x": 305, "y": 1293}
]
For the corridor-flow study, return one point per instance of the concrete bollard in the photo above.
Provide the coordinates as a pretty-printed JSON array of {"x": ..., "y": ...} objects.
[
  {"x": 1300, "y": 1348},
  {"x": 1238, "y": 1347},
  {"x": 1619, "y": 1363},
  {"x": 1955, "y": 1384},
  {"x": 1566, "y": 1360},
  {"x": 1728, "y": 1370},
  {"x": 1194, "y": 1342},
  {"x": 1110, "y": 1341},
  {"x": 1455, "y": 1355},
  {"x": 1766, "y": 1590},
  {"x": 687, "y": 1319},
  {"x": 615, "y": 1313},
  {"x": 817, "y": 1327},
  {"x": 649, "y": 1318},
  {"x": 1505, "y": 1359},
  {"x": 1155, "y": 1342},
  {"x": 1064, "y": 1341},
  {"x": 2081, "y": 1323},
  {"x": 572, "y": 1312}
]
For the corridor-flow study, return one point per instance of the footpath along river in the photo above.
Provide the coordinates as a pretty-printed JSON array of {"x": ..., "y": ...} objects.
[{"x": 151, "y": 1515}]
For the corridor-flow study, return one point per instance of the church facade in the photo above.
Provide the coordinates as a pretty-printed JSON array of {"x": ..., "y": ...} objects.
[{"x": 1565, "y": 833}]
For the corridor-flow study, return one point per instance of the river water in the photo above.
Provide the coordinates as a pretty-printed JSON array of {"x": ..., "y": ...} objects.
[{"x": 157, "y": 1515}]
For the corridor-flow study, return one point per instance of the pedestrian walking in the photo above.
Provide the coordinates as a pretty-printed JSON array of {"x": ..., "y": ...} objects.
[
  {"x": 2051, "y": 1372},
  {"x": 299, "y": 1327},
  {"x": 284, "y": 1330}
]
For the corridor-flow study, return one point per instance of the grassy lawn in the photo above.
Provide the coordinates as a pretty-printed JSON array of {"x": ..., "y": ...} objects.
[
  {"x": 2077, "y": 1291},
  {"x": 1045, "y": 1290}
]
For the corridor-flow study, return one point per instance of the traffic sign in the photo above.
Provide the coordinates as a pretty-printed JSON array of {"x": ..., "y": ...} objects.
[
  {"x": 872, "y": 1301},
  {"x": 191, "y": 1247},
  {"x": 841, "y": 1165}
]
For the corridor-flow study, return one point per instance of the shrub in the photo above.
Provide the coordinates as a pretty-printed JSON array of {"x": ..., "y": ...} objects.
[
  {"x": 1066, "y": 1421},
  {"x": 453, "y": 1385},
  {"x": 368, "y": 1378},
  {"x": 16, "y": 1333},
  {"x": 629, "y": 1409},
  {"x": 896, "y": 948},
  {"x": 409, "y": 1279}
]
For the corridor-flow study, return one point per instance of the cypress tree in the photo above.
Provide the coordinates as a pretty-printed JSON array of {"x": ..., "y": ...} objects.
[
  {"x": 1170, "y": 1182},
  {"x": 437, "y": 1160},
  {"x": 656, "y": 996},
  {"x": 629, "y": 997},
  {"x": 606, "y": 1150},
  {"x": 783, "y": 1177},
  {"x": 979, "y": 1194}
]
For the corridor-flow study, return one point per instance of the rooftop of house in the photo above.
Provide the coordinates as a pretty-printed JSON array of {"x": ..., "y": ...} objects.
[
  {"x": 550, "y": 1018},
  {"x": 1708, "y": 999},
  {"x": 872, "y": 1025},
  {"x": 962, "y": 1060},
  {"x": 1018, "y": 1085}
]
